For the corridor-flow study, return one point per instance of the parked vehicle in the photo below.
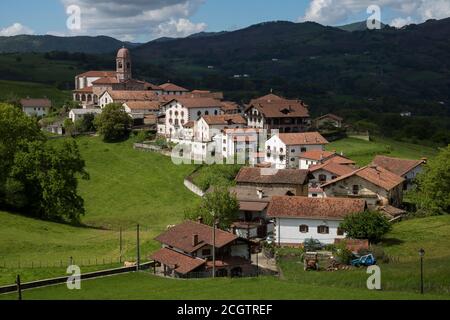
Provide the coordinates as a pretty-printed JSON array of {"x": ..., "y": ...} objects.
[{"x": 364, "y": 261}]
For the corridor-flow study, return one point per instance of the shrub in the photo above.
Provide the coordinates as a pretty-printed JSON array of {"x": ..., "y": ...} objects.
[
  {"x": 142, "y": 136},
  {"x": 379, "y": 254},
  {"x": 370, "y": 225},
  {"x": 343, "y": 255}
]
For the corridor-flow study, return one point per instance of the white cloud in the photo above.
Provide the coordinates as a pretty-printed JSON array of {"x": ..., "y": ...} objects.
[
  {"x": 401, "y": 22},
  {"x": 15, "y": 29},
  {"x": 179, "y": 28},
  {"x": 338, "y": 11},
  {"x": 137, "y": 18}
]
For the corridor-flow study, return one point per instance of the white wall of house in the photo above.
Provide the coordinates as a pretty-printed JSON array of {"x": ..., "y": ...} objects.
[
  {"x": 304, "y": 164},
  {"x": 36, "y": 111},
  {"x": 255, "y": 119},
  {"x": 287, "y": 231},
  {"x": 177, "y": 115},
  {"x": 283, "y": 156},
  {"x": 105, "y": 99}
]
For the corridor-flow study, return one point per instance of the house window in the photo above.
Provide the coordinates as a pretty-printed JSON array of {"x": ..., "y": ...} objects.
[
  {"x": 340, "y": 232},
  {"x": 281, "y": 150},
  {"x": 314, "y": 195},
  {"x": 216, "y": 112},
  {"x": 355, "y": 189},
  {"x": 281, "y": 158},
  {"x": 334, "y": 177},
  {"x": 206, "y": 252},
  {"x": 292, "y": 150},
  {"x": 303, "y": 150},
  {"x": 323, "y": 230},
  {"x": 322, "y": 178},
  {"x": 304, "y": 228},
  {"x": 199, "y": 113},
  {"x": 206, "y": 113},
  {"x": 292, "y": 159}
]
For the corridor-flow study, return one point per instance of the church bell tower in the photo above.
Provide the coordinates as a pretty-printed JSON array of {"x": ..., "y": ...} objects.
[{"x": 123, "y": 65}]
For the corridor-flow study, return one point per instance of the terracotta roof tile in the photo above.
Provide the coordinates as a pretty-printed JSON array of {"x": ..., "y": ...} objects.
[
  {"x": 143, "y": 105},
  {"x": 226, "y": 119},
  {"x": 106, "y": 80},
  {"x": 46, "y": 103},
  {"x": 122, "y": 95},
  {"x": 376, "y": 175},
  {"x": 302, "y": 138},
  {"x": 272, "y": 176},
  {"x": 316, "y": 155},
  {"x": 273, "y": 106},
  {"x": 195, "y": 102},
  {"x": 181, "y": 236},
  {"x": 333, "y": 167},
  {"x": 98, "y": 74},
  {"x": 172, "y": 87},
  {"x": 396, "y": 165},
  {"x": 314, "y": 208},
  {"x": 332, "y": 116},
  {"x": 181, "y": 263}
]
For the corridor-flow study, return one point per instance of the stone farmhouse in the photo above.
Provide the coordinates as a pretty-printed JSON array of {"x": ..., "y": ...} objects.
[
  {"x": 187, "y": 251},
  {"x": 378, "y": 186},
  {"x": 408, "y": 169},
  {"x": 328, "y": 120}
]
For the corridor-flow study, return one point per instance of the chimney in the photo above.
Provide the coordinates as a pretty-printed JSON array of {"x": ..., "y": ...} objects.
[
  {"x": 200, "y": 220},
  {"x": 194, "y": 240},
  {"x": 260, "y": 193}
]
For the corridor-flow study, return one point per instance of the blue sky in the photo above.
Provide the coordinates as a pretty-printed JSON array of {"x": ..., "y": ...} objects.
[{"x": 143, "y": 20}]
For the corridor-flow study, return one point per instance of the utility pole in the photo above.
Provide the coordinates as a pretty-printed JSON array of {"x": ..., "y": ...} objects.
[
  {"x": 19, "y": 288},
  {"x": 214, "y": 248},
  {"x": 120, "y": 245},
  {"x": 138, "y": 249}
]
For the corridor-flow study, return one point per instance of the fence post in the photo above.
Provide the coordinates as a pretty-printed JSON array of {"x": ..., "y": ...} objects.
[
  {"x": 138, "y": 250},
  {"x": 19, "y": 287}
]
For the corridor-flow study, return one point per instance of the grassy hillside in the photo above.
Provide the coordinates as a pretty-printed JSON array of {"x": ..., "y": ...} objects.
[
  {"x": 126, "y": 187},
  {"x": 402, "y": 273},
  {"x": 363, "y": 152},
  {"x": 16, "y": 89},
  {"x": 399, "y": 279},
  {"x": 141, "y": 286}
]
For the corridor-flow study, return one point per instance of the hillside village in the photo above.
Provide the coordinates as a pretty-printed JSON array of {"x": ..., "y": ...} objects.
[{"x": 290, "y": 189}]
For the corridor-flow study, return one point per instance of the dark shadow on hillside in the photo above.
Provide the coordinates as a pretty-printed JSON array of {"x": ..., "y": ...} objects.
[{"x": 389, "y": 242}]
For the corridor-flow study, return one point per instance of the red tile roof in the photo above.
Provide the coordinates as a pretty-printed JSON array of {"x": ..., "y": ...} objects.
[
  {"x": 106, "y": 80},
  {"x": 143, "y": 105},
  {"x": 85, "y": 90},
  {"x": 192, "y": 103},
  {"x": 333, "y": 167},
  {"x": 181, "y": 236},
  {"x": 181, "y": 263},
  {"x": 226, "y": 119},
  {"x": 172, "y": 87},
  {"x": 316, "y": 155},
  {"x": 272, "y": 176},
  {"x": 376, "y": 175},
  {"x": 122, "y": 95},
  {"x": 332, "y": 116},
  {"x": 302, "y": 138},
  {"x": 98, "y": 74},
  {"x": 252, "y": 206},
  {"x": 314, "y": 208},
  {"x": 396, "y": 165},
  {"x": 273, "y": 106},
  {"x": 43, "y": 103}
]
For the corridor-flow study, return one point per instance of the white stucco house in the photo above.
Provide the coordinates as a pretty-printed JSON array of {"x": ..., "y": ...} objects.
[
  {"x": 36, "y": 107},
  {"x": 300, "y": 218},
  {"x": 182, "y": 110},
  {"x": 283, "y": 150}
]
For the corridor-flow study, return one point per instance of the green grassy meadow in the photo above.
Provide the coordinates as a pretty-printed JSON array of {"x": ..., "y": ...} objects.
[
  {"x": 144, "y": 286},
  {"x": 363, "y": 152},
  {"x": 126, "y": 187}
]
